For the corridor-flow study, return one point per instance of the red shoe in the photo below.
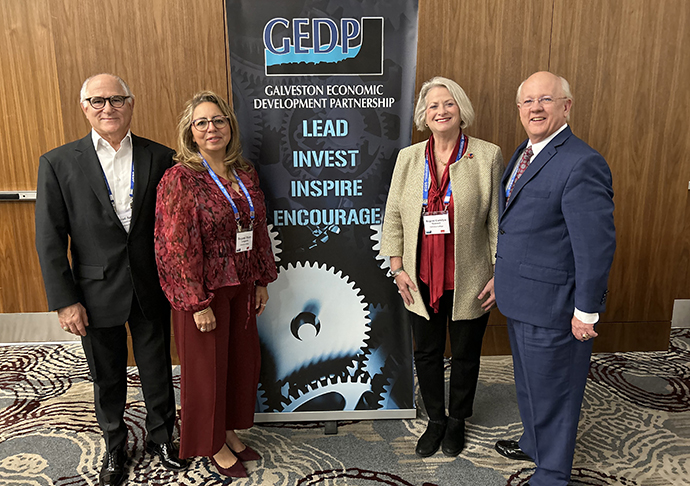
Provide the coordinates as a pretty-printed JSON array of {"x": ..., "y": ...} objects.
[
  {"x": 248, "y": 454},
  {"x": 237, "y": 470}
]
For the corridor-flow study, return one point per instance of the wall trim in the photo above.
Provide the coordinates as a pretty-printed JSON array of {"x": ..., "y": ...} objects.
[{"x": 32, "y": 327}]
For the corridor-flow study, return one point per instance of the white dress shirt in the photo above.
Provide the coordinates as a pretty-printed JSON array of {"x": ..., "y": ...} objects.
[{"x": 117, "y": 167}]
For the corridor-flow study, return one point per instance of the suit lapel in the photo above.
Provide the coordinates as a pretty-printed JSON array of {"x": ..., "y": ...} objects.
[
  {"x": 141, "y": 158},
  {"x": 88, "y": 162},
  {"x": 539, "y": 161},
  {"x": 506, "y": 177}
]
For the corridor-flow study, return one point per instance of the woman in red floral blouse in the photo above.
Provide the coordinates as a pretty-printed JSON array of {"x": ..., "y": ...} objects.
[{"x": 214, "y": 261}]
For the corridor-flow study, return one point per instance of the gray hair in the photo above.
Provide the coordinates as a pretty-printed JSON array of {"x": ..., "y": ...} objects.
[
  {"x": 128, "y": 92},
  {"x": 458, "y": 94}
]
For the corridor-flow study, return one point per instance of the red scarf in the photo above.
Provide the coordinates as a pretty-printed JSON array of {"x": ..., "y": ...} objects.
[{"x": 433, "y": 262}]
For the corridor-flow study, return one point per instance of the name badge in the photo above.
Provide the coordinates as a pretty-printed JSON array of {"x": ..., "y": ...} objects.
[
  {"x": 244, "y": 241},
  {"x": 436, "y": 223}
]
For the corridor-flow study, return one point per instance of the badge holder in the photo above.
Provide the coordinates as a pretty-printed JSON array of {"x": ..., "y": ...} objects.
[
  {"x": 436, "y": 223},
  {"x": 244, "y": 240}
]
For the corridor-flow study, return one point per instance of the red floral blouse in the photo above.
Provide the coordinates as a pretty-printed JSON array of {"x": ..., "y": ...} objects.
[{"x": 195, "y": 237}]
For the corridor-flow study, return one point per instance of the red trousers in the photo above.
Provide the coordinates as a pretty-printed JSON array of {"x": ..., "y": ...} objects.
[{"x": 219, "y": 371}]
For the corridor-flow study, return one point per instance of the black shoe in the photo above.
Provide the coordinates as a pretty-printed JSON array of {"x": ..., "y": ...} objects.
[
  {"x": 430, "y": 441},
  {"x": 113, "y": 469},
  {"x": 454, "y": 440},
  {"x": 511, "y": 450},
  {"x": 167, "y": 452}
]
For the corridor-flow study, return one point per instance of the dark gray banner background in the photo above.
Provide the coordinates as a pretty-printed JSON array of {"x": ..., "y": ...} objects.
[{"x": 334, "y": 334}]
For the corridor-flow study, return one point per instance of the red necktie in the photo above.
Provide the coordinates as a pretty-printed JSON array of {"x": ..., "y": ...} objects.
[{"x": 524, "y": 163}]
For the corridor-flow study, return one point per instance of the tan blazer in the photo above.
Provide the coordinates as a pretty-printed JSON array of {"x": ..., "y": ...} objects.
[{"x": 475, "y": 180}]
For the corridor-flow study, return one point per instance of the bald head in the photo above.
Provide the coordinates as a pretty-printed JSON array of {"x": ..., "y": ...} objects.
[
  {"x": 544, "y": 103},
  {"x": 110, "y": 122},
  {"x": 565, "y": 86},
  {"x": 83, "y": 93}
]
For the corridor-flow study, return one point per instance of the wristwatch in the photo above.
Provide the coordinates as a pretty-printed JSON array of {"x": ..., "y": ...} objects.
[{"x": 395, "y": 273}]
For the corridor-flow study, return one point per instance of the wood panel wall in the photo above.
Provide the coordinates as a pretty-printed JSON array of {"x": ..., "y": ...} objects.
[
  {"x": 628, "y": 69},
  {"x": 629, "y": 66},
  {"x": 625, "y": 61},
  {"x": 166, "y": 50},
  {"x": 30, "y": 105}
]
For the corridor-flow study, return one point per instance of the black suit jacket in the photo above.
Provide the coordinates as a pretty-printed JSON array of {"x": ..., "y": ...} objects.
[{"x": 108, "y": 265}]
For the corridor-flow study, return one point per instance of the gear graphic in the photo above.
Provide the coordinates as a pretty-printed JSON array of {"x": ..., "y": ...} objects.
[
  {"x": 275, "y": 242},
  {"x": 316, "y": 315},
  {"x": 376, "y": 237},
  {"x": 346, "y": 391},
  {"x": 261, "y": 400}
]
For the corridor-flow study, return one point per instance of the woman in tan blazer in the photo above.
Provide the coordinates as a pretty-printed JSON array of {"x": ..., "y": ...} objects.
[{"x": 440, "y": 231}]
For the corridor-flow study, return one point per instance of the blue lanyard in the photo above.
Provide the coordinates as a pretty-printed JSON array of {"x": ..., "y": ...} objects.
[
  {"x": 131, "y": 187},
  {"x": 227, "y": 196},
  {"x": 425, "y": 196}
]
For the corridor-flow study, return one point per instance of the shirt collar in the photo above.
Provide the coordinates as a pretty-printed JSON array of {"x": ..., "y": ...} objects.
[
  {"x": 98, "y": 140},
  {"x": 539, "y": 146}
]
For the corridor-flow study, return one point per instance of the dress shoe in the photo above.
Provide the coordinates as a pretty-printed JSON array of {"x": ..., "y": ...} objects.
[
  {"x": 511, "y": 450},
  {"x": 237, "y": 470},
  {"x": 248, "y": 454},
  {"x": 430, "y": 441},
  {"x": 454, "y": 440},
  {"x": 113, "y": 470},
  {"x": 167, "y": 452}
]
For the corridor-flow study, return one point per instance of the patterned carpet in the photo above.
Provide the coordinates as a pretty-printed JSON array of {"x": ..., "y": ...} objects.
[{"x": 635, "y": 430}]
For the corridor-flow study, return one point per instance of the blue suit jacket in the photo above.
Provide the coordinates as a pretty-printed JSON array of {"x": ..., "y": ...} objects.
[{"x": 556, "y": 236}]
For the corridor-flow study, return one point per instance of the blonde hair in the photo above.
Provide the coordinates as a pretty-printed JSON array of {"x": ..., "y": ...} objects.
[
  {"x": 458, "y": 94},
  {"x": 187, "y": 149}
]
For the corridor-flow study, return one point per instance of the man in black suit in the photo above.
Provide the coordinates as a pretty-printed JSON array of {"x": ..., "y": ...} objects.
[{"x": 97, "y": 196}]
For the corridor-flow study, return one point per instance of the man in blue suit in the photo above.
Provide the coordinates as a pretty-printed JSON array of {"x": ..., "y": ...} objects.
[{"x": 556, "y": 241}]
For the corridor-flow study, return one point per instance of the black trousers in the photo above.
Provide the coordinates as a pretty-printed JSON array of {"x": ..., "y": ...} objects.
[
  {"x": 466, "y": 346},
  {"x": 106, "y": 354}
]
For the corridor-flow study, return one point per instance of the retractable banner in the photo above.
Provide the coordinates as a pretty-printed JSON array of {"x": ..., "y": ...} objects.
[{"x": 324, "y": 93}]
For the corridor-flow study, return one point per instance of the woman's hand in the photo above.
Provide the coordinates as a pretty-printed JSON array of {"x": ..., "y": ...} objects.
[
  {"x": 488, "y": 292},
  {"x": 261, "y": 299},
  {"x": 205, "y": 320},
  {"x": 405, "y": 287}
]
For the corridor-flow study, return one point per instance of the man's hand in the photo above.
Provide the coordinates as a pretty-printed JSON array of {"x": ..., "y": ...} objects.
[
  {"x": 582, "y": 332},
  {"x": 73, "y": 319}
]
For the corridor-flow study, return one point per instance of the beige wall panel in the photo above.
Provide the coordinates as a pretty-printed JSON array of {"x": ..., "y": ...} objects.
[
  {"x": 21, "y": 284},
  {"x": 29, "y": 97},
  {"x": 166, "y": 50},
  {"x": 488, "y": 47},
  {"x": 629, "y": 67}
]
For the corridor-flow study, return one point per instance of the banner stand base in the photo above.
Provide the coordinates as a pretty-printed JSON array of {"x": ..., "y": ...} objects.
[
  {"x": 335, "y": 415},
  {"x": 331, "y": 428}
]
